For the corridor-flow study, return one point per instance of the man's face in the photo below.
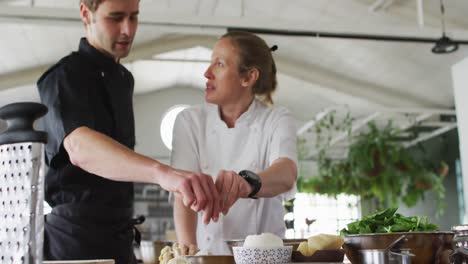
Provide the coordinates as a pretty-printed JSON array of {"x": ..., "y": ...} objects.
[{"x": 112, "y": 27}]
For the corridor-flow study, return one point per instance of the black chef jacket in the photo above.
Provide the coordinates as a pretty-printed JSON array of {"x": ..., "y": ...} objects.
[{"x": 91, "y": 216}]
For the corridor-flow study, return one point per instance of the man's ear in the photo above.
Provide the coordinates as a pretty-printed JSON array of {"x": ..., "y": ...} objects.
[
  {"x": 85, "y": 14},
  {"x": 250, "y": 77}
]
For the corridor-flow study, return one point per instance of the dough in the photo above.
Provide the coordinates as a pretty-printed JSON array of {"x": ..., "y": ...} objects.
[{"x": 263, "y": 240}]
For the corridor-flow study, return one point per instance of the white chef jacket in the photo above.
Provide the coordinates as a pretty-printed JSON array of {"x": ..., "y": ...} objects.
[{"x": 202, "y": 142}]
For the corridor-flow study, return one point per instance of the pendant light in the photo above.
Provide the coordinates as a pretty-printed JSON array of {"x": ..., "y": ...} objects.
[{"x": 444, "y": 44}]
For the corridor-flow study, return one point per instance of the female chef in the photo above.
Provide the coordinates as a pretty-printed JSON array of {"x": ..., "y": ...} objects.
[{"x": 246, "y": 144}]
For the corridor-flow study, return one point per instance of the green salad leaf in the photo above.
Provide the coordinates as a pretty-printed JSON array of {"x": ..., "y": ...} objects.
[{"x": 388, "y": 221}]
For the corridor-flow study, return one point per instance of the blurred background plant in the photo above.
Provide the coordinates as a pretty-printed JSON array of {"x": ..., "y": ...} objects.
[{"x": 376, "y": 165}]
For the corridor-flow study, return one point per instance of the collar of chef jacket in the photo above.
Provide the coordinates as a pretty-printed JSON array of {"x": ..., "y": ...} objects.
[{"x": 246, "y": 118}]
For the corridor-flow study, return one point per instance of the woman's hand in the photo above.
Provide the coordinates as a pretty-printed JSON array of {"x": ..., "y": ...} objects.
[
  {"x": 197, "y": 191},
  {"x": 231, "y": 187}
]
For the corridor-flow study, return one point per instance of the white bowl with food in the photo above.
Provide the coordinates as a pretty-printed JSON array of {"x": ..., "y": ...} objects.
[{"x": 263, "y": 249}]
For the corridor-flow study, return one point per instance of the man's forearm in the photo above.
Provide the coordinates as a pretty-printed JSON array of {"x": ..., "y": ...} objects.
[{"x": 101, "y": 155}]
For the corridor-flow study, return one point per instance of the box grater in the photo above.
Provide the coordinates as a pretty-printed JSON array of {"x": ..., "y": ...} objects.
[{"x": 21, "y": 185}]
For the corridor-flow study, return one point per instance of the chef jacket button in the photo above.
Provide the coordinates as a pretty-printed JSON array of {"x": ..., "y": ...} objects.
[
  {"x": 208, "y": 238},
  {"x": 254, "y": 164}
]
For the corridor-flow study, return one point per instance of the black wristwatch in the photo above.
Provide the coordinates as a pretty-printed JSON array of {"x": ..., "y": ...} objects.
[{"x": 254, "y": 181}]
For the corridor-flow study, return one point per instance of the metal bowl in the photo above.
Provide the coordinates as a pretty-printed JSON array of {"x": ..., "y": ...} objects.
[
  {"x": 150, "y": 250},
  {"x": 286, "y": 242},
  {"x": 428, "y": 247}
]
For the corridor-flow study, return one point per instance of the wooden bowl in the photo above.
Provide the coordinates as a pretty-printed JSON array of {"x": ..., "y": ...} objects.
[
  {"x": 331, "y": 255},
  {"x": 428, "y": 247},
  {"x": 210, "y": 259},
  {"x": 100, "y": 261}
]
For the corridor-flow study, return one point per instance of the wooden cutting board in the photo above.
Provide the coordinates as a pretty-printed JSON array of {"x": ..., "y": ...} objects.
[{"x": 98, "y": 261}]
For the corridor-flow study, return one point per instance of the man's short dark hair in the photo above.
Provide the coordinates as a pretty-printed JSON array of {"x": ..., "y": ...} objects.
[{"x": 92, "y": 4}]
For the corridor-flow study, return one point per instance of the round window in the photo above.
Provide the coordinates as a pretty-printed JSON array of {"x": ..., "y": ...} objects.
[{"x": 167, "y": 124}]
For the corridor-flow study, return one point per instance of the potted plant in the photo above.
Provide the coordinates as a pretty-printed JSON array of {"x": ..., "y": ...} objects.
[{"x": 376, "y": 166}]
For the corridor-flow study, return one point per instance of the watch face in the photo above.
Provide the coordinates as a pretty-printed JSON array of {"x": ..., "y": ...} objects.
[
  {"x": 252, "y": 175},
  {"x": 253, "y": 179}
]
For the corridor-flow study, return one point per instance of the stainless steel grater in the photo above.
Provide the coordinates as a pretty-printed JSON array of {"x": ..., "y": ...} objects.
[
  {"x": 21, "y": 196},
  {"x": 21, "y": 185}
]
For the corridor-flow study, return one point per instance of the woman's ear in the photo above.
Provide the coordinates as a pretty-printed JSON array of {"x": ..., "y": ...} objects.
[
  {"x": 85, "y": 14},
  {"x": 250, "y": 77}
]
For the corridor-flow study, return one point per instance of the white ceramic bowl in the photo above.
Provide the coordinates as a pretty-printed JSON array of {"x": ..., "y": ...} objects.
[{"x": 262, "y": 255}]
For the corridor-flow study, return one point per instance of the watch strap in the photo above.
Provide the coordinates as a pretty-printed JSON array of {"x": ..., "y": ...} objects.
[{"x": 253, "y": 180}]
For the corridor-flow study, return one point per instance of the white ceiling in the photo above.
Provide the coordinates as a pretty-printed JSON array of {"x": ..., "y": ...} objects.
[{"x": 175, "y": 38}]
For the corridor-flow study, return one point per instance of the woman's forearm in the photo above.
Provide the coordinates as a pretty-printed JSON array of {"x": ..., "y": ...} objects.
[
  {"x": 280, "y": 177},
  {"x": 185, "y": 223}
]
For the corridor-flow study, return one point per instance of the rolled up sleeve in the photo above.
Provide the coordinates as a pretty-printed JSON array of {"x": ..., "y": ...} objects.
[{"x": 284, "y": 143}]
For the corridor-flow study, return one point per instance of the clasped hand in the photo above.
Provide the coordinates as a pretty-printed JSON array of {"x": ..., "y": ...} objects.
[{"x": 201, "y": 193}]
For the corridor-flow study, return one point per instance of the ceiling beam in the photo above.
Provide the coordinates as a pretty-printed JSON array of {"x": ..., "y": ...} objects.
[
  {"x": 42, "y": 15},
  {"x": 343, "y": 135},
  {"x": 434, "y": 133},
  {"x": 167, "y": 44},
  {"x": 21, "y": 77},
  {"x": 206, "y": 25},
  {"x": 384, "y": 96},
  {"x": 140, "y": 52},
  {"x": 311, "y": 123}
]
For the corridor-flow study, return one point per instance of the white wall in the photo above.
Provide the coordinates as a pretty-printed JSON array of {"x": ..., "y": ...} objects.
[
  {"x": 460, "y": 83},
  {"x": 149, "y": 110}
]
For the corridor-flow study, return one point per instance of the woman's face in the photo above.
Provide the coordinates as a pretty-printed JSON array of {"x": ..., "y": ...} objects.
[{"x": 225, "y": 85}]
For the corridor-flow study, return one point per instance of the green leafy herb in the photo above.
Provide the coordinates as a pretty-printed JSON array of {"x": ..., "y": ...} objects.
[{"x": 388, "y": 221}]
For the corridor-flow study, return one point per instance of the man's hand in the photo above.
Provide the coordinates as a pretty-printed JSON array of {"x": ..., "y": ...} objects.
[
  {"x": 197, "y": 191},
  {"x": 231, "y": 188}
]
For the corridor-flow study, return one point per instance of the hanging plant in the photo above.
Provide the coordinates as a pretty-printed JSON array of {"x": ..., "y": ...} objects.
[{"x": 376, "y": 165}]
